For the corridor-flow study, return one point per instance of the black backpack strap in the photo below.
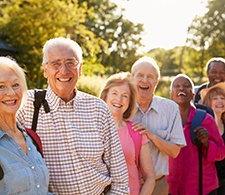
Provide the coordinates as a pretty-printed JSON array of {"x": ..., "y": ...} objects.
[
  {"x": 197, "y": 95},
  {"x": 39, "y": 99}
]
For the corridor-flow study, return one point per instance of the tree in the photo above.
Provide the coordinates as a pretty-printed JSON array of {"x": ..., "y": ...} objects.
[
  {"x": 206, "y": 33},
  {"x": 123, "y": 38}
]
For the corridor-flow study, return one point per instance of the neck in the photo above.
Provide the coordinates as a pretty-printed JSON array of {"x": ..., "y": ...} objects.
[
  {"x": 8, "y": 123},
  {"x": 219, "y": 123},
  {"x": 120, "y": 122},
  {"x": 184, "y": 113},
  {"x": 144, "y": 104}
]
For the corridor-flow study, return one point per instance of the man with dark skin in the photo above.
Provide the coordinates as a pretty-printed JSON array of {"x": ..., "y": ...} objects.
[{"x": 215, "y": 69}]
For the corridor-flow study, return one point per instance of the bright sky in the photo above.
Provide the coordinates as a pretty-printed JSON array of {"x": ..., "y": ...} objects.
[{"x": 165, "y": 21}]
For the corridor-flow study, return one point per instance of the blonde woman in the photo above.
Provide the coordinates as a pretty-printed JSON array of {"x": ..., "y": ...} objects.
[{"x": 120, "y": 96}]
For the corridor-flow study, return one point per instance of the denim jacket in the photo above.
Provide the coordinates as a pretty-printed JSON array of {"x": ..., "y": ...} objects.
[{"x": 23, "y": 174}]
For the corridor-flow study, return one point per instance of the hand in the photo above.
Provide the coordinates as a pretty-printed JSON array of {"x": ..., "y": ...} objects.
[
  {"x": 202, "y": 135},
  {"x": 143, "y": 129}
]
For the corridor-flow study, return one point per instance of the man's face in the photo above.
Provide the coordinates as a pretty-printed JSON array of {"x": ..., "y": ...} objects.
[
  {"x": 145, "y": 78},
  {"x": 216, "y": 73},
  {"x": 62, "y": 78}
]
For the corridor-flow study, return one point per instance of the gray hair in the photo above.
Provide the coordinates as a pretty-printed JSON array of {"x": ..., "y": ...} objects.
[
  {"x": 215, "y": 59},
  {"x": 10, "y": 63},
  {"x": 61, "y": 41},
  {"x": 149, "y": 61},
  {"x": 184, "y": 76}
]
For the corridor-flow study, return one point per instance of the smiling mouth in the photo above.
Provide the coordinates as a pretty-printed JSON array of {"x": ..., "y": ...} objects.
[
  {"x": 64, "y": 80},
  {"x": 12, "y": 102},
  {"x": 144, "y": 88},
  {"x": 117, "y": 105},
  {"x": 181, "y": 94}
]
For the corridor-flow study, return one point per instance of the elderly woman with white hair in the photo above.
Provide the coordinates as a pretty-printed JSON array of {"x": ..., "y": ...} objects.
[{"x": 23, "y": 170}]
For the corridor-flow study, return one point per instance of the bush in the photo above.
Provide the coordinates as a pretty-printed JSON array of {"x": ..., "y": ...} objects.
[{"x": 91, "y": 84}]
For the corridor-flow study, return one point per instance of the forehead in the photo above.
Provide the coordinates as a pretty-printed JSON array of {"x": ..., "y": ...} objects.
[
  {"x": 121, "y": 87},
  {"x": 61, "y": 52},
  {"x": 181, "y": 80},
  {"x": 145, "y": 68},
  {"x": 7, "y": 74},
  {"x": 217, "y": 65}
]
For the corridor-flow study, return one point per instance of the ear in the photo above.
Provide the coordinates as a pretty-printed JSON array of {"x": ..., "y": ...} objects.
[
  {"x": 80, "y": 69},
  {"x": 44, "y": 66}
]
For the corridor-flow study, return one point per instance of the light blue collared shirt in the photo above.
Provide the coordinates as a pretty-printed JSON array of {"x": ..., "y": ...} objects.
[
  {"x": 163, "y": 119},
  {"x": 23, "y": 174}
]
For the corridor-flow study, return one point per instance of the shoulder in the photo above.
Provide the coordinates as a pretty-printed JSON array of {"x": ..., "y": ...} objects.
[
  {"x": 91, "y": 100},
  {"x": 164, "y": 102},
  {"x": 200, "y": 87}
]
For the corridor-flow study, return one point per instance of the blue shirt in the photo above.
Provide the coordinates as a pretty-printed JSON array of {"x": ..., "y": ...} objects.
[
  {"x": 163, "y": 119},
  {"x": 23, "y": 174}
]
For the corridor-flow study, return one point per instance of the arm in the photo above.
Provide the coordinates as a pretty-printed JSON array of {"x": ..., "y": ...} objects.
[
  {"x": 164, "y": 146},
  {"x": 147, "y": 170},
  {"x": 114, "y": 158}
]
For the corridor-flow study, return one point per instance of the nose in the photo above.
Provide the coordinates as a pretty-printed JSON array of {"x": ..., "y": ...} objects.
[
  {"x": 119, "y": 97},
  {"x": 10, "y": 91},
  {"x": 145, "y": 78},
  {"x": 63, "y": 68}
]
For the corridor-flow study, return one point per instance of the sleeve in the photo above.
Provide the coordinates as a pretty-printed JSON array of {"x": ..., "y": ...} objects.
[
  {"x": 114, "y": 157},
  {"x": 216, "y": 149},
  {"x": 176, "y": 135}
]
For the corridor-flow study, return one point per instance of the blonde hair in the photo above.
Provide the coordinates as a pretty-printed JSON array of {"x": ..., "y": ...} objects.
[{"x": 119, "y": 79}]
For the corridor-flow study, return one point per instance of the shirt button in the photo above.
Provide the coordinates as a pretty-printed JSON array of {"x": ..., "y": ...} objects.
[
  {"x": 29, "y": 148},
  {"x": 32, "y": 167},
  {"x": 38, "y": 186}
]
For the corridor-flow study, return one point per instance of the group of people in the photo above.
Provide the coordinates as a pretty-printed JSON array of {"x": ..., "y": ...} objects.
[{"x": 127, "y": 141}]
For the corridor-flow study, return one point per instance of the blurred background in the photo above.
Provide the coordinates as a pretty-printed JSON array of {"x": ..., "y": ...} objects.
[{"x": 180, "y": 35}]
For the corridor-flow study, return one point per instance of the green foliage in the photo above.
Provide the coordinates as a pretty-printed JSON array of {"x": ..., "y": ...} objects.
[
  {"x": 91, "y": 84},
  {"x": 97, "y": 25}
]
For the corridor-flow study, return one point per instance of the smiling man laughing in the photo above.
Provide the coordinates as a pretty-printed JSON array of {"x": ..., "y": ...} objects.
[{"x": 162, "y": 118}]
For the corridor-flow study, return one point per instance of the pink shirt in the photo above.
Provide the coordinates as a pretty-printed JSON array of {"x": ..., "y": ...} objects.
[
  {"x": 129, "y": 153},
  {"x": 183, "y": 171}
]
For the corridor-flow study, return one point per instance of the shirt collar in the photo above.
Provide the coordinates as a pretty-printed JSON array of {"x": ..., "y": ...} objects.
[
  {"x": 153, "y": 105},
  {"x": 55, "y": 101}
]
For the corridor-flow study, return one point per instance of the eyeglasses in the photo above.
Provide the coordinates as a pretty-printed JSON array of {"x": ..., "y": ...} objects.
[{"x": 69, "y": 63}]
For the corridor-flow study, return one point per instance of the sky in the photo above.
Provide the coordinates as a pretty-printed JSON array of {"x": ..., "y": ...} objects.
[{"x": 165, "y": 21}]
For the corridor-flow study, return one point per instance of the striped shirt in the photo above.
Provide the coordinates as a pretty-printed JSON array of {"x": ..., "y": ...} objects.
[
  {"x": 80, "y": 143},
  {"x": 163, "y": 119}
]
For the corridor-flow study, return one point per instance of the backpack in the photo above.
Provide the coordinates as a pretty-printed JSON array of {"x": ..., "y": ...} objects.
[
  {"x": 39, "y": 99},
  {"x": 199, "y": 116}
]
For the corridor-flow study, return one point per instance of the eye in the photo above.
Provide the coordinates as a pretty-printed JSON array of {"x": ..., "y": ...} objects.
[
  {"x": 15, "y": 85},
  {"x": 56, "y": 64},
  {"x": 2, "y": 87}
]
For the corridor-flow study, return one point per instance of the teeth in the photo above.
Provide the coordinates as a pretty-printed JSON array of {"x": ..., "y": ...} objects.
[
  {"x": 144, "y": 87},
  {"x": 181, "y": 93},
  {"x": 64, "y": 80},
  {"x": 117, "y": 105},
  {"x": 10, "y": 102}
]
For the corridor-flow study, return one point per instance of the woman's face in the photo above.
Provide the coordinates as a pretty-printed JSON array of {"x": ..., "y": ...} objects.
[
  {"x": 118, "y": 99},
  {"x": 181, "y": 91},
  {"x": 10, "y": 92},
  {"x": 218, "y": 103}
]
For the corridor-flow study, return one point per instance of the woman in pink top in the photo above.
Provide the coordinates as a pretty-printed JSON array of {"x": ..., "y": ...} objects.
[
  {"x": 183, "y": 178},
  {"x": 120, "y": 96}
]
